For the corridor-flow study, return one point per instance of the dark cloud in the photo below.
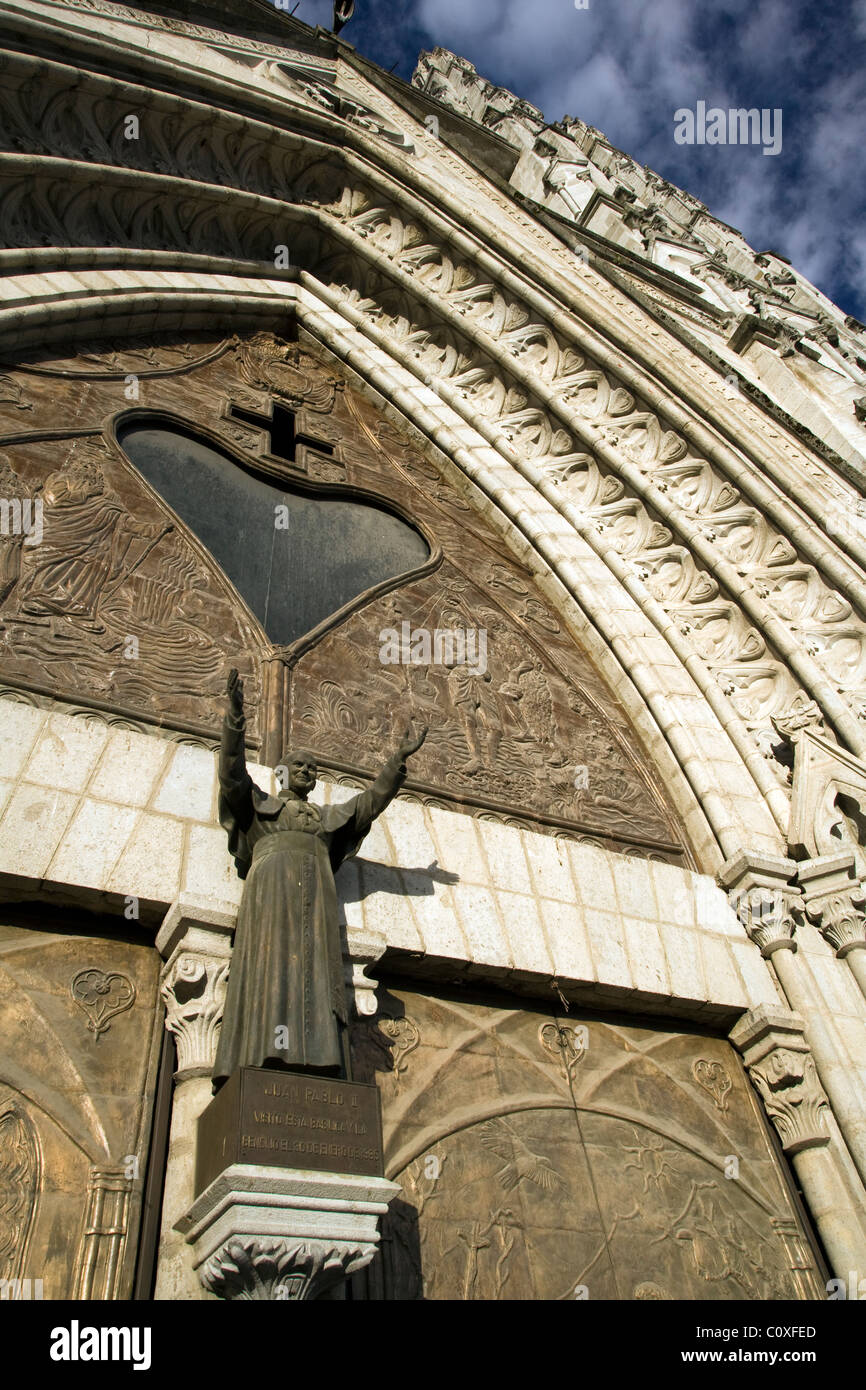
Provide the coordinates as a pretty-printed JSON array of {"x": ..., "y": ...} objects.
[{"x": 626, "y": 66}]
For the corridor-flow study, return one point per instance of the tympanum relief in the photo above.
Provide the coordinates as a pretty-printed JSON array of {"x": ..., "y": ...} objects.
[{"x": 119, "y": 604}]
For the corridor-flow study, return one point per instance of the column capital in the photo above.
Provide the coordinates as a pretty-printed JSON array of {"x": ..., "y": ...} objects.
[
  {"x": 195, "y": 939},
  {"x": 762, "y": 892},
  {"x": 365, "y": 948},
  {"x": 835, "y": 899},
  {"x": 777, "y": 1057},
  {"x": 284, "y": 1233}
]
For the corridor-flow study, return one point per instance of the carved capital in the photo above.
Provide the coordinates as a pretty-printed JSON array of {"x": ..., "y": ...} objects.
[
  {"x": 760, "y": 891},
  {"x": 291, "y": 1270},
  {"x": 783, "y": 1072},
  {"x": 835, "y": 900},
  {"x": 365, "y": 949},
  {"x": 196, "y": 940},
  {"x": 284, "y": 1233}
]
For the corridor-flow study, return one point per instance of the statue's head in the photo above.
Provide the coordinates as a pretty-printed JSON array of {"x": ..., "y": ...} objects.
[{"x": 297, "y": 772}]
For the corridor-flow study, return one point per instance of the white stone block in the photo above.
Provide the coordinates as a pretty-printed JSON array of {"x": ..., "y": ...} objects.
[
  {"x": 436, "y": 919},
  {"x": 608, "y": 950},
  {"x": 377, "y": 844},
  {"x": 188, "y": 786},
  {"x": 548, "y": 863},
  {"x": 646, "y": 956},
  {"x": 129, "y": 767},
  {"x": 713, "y": 910},
  {"x": 634, "y": 887},
  {"x": 409, "y": 828},
  {"x": 209, "y": 870},
  {"x": 457, "y": 842},
  {"x": 567, "y": 939},
  {"x": 724, "y": 985},
  {"x": 92, "y": 844},
  {"x": 503, "y": 848},
  {"x": 385, "y": 908},
  {"x": 19, "y": 728},
  {"x": 150, "y": 865},
  {"x": 482, "y": 928},
  {"x": 66, "y": 753},
  {"x": 675, "y": 893},
  {"x": 32, "y": 826},
  {"x": 593, "y": 874},
  {"x": 685, "y": 964},
  {"x": 524, "y": 933},
  {"x": 755, "y": 973}
]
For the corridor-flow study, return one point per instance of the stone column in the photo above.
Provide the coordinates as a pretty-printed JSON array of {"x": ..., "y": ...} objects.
[
  {"x": 835, "y": 901},
  {"x": 762, "y": 892},
  {"x": 195, "y": 940},
  {"x": 777, "y": 1057}
]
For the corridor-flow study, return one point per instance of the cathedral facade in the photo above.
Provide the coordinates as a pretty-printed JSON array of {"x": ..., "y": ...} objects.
[{"x": 408, "y": 404}]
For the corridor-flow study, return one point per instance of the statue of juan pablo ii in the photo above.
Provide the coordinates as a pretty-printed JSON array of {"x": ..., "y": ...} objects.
[{"x": 286, "y": 996}]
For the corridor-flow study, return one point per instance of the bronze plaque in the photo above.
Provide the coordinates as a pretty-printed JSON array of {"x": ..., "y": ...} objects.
[{"x": 287, "y": 1119}]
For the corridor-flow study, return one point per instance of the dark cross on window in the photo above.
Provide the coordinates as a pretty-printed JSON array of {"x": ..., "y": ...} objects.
[{"x": 283, "y": 437}]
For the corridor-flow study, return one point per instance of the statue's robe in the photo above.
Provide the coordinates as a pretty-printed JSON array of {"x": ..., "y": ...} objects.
[{"x": 286, "y": 990}]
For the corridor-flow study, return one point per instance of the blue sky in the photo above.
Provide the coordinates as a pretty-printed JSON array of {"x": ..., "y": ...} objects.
[{"x": 626, "y": 66}]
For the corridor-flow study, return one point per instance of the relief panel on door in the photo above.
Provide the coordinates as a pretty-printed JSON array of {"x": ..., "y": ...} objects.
[
  {"x": 81, "y": 1027},
  {"x": 562, "y": 1157}
]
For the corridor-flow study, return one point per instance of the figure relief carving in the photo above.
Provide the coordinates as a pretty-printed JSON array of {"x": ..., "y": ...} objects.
[
  {"x": 114, "y": 600},
  {"x": 20, "y": 1187}
]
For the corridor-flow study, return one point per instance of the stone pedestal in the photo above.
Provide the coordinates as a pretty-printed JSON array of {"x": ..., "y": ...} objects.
[{"x": 283, "y": 1233}]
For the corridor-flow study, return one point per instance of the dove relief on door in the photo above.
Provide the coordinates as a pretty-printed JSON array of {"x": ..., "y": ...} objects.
[{"x": 546, "y": 1156}]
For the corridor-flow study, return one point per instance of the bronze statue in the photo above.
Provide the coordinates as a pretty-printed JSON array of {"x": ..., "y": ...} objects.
[{"x": 286, "y": 996}]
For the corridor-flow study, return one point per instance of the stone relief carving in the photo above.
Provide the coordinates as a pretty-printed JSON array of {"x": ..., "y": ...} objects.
[
  {"x": 101, "y": 996},
  {"x": 114, "y": 601},
  {"x": 20, "y": 1187},
  {"x": 715, "y": 1080},
  {"x": 521, "y": 1180},
  {"x": 513, "y": 737}
]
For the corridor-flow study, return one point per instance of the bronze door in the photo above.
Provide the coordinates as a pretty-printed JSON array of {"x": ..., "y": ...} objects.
[
  {"x": 81, "y": 1024},
  {"x": 547, "y": 1156}
]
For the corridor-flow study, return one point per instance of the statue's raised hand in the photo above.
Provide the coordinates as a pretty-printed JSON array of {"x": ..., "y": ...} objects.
[
  {"x": 411, "y": 741},
  {"x": 235, "y": 692}
]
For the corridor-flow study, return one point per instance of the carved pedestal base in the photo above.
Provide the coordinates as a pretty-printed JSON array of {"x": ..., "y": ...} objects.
[{"x": 283, "y": 1233}]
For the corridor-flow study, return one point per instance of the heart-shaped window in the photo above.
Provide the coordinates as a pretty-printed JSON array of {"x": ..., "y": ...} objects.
[{"x": 296, "y": 556}]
